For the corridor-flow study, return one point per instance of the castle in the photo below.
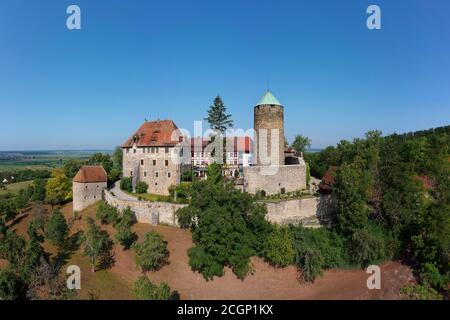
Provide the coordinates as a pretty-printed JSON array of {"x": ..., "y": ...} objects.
[
  {"x": 154, "y": 154},
  {"x": 149, "y": 153}
]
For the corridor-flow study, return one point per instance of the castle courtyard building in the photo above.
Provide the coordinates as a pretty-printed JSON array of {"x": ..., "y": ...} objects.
[{"x": 149, "y": 156}]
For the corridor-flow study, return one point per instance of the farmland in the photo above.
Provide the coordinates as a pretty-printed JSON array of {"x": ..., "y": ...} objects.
[{"x": 41, "y": 160}]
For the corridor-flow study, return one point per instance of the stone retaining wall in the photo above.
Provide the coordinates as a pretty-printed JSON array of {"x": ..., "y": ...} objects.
[
  {"x": 282, "y": 212},
  {"x": 300, "y": 210},
  {"x": 146, "y": 211}
]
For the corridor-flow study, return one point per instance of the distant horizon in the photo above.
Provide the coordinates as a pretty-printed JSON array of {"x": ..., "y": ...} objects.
[
  {"x": 91, "y": 88},
  {"x": 313, "y": 148}
]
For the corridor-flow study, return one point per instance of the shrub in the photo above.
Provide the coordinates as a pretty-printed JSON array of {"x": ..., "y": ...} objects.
[
  {"x": 124, "y": 235},
  {"x": 187, "y": 176},
  {"x": 10, "y": 285},
  {"x": 372, "y": 245},
  {"x": 141, "y": 187},
  {"x": 311, "y": 263},
  {"x": 279, "y": 247},
  {"x": 106, "y": 213},
  {"x": 145, "y": 290},
  {"x": 127, "y": 216},
  {"x": 420, "y": 292},
  {"x": 152, "y": 253},
  {"x": 56, "y": 229},
  {"x": 182, "y": 190},
  {"x": 430, "y": 276},
  {"x": 126, "y": 184},
  {"x": 318, "y": 250}
]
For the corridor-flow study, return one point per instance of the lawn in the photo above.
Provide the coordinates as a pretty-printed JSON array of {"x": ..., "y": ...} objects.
[{"x": 15, "y": 187}]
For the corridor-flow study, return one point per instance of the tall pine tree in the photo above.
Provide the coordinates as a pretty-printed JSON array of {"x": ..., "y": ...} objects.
[{"x": 218, "y": 118}]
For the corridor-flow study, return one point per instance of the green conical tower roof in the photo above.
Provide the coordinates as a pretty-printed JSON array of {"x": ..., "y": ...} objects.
[{"x": 268, "y": 98}]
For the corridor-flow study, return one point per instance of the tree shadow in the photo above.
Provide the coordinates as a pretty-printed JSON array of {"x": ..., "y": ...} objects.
[
  {"x": 71, "y": 245},
  {"x": 107, "y": 259}
]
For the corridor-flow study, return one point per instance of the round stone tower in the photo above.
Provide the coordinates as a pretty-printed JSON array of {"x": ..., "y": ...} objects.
[{"x": 269, "y": 131}]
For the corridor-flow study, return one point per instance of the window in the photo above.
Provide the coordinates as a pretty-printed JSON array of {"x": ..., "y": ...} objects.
[
  {"x": 128, "y": 150},
  {"x": 97, "y": 186},
  {"x": 168, "y": 174},
  {"x": 154, "y": 162},
  {"x": 153, "y": 150},
  {"x": 143, "y": 150},
  {"x": 94, "y": 197},
  {"x": 134, "y": 150},
  {"x": 166, "y": 162},
  {"x": 157, "y": 150},
  {"x": 142, "y": 162},
  {"x": 85, "y": 187},
  {"x": 131, "y": 173},
  {"x": 145, "y": 173},
  {"x": 156, "y": 174},
  {"x": 167, "y": 150}
]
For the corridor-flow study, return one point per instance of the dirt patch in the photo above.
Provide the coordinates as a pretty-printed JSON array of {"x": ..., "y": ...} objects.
[{"x": 266, "y": 282}]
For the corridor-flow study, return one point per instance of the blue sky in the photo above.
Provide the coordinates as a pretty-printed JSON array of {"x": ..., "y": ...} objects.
[{"x": 92, "y": 88}]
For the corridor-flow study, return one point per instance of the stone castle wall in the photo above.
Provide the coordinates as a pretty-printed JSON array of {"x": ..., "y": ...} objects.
[
  {"x": 159, "y": 175},
  {"x": 273, "y": 179},
  {"x": 266, "y": 118},
  {"x": 85, "y": 194},
  {"x": 301, "y": 210},
  {"x": 146, "y": 211}
]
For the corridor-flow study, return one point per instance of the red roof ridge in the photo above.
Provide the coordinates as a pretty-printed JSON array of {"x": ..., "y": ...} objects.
[{"x": 91, "y": 173}]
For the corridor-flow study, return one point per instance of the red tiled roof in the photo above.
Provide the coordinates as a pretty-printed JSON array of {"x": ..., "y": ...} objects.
[
  {"x": 234, "y": 144},
  {"x": 154, "y": 133},
  {"x": 91, "y": 174},
  {"x": 328, "y": 177}
]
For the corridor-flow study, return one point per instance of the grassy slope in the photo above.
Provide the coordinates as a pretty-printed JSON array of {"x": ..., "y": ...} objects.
[{"x": 15, "y": 187}]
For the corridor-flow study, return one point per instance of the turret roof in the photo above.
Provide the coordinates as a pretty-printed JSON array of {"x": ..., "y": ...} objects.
[{"x": 268, "y": 98}]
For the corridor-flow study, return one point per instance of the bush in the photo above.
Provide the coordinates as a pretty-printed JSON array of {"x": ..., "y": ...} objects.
[
  {"x": 124, "y": 235},
  {"x": 430, "y": 276},
  {"x": 10, "y": 285},
  {"x": 56, "y": 229},
  {"x": 311, "y": 263},
  {"x": 152, "y": 253},
  {"x": 182, "y": 190},
  {"x": 106, "y": 213},
  {"x": 420, "y": 292},
  {"x": 141, "y": 187},
  {"x": 145, "y": 290},
  {"x": 187, "y": 176},
  {"x": 318, "y": 250},
  {"x": 279, "y": 247},
  {"x": 127, "y": 216},
  {"x": 126, "y": 184},
  {"x": 372, "y": 245}
]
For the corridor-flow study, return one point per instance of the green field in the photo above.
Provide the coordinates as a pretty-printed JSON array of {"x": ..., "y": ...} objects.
[
  {"x": 38, "y": 160},
  {"x": 15, "y": 187}
]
